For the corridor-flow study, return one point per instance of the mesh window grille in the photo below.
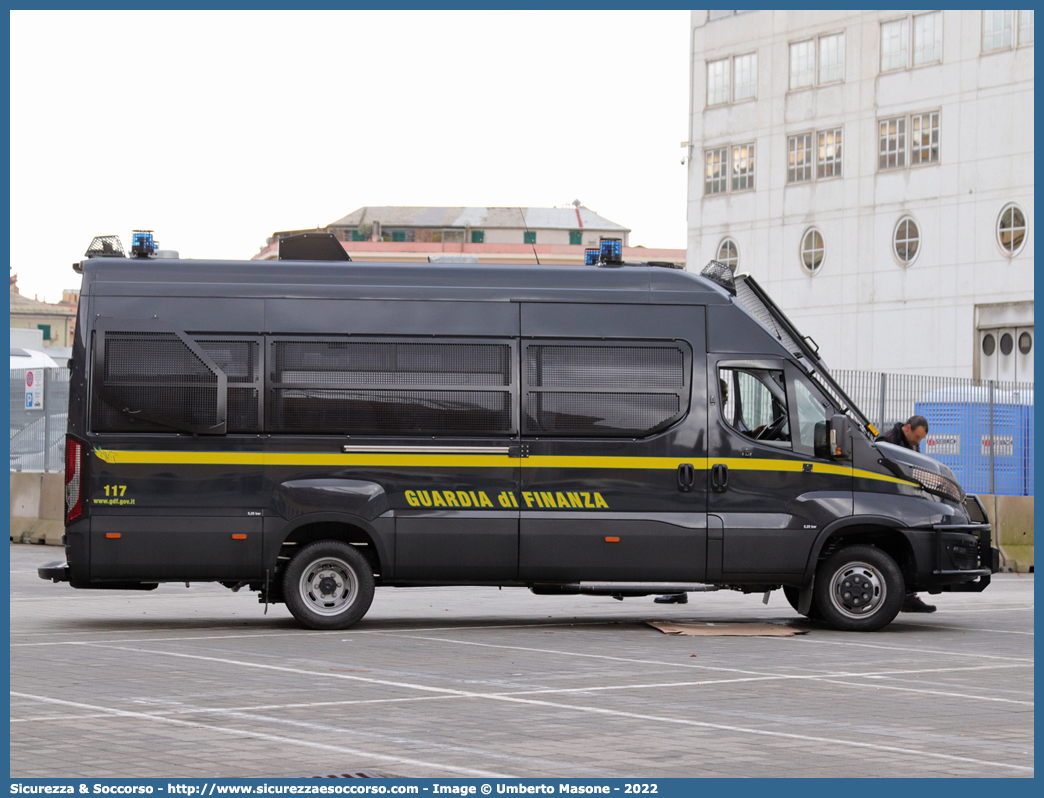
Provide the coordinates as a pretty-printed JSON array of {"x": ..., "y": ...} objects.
[
  {"x": 155, "y": 374},
  {"x": 609, "y": 390},
  {"x": 240, "y": 360},
  {"x": 344, "y": 386}
]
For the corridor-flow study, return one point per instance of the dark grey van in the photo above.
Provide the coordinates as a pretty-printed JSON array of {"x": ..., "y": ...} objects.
[{"x": 310, "y": 430}]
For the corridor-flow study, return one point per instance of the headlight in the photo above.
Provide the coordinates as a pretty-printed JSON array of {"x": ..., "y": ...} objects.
[{"x": 937, "y": 484}]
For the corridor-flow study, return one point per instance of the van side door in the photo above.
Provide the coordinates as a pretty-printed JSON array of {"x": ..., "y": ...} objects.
[
  {"x": 613, "y": 439},
  {"x": 771, "y": 487}
]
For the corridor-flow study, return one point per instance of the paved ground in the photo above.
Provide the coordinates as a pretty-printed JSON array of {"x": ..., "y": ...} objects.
[{"x": 477, "y": 682}]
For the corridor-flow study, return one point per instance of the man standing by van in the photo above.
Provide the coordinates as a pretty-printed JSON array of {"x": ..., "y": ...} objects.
[{"x": 909, "y": 436}]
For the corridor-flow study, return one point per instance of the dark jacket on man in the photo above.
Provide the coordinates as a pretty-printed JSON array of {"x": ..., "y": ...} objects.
[{"x": 897, "y": 437}]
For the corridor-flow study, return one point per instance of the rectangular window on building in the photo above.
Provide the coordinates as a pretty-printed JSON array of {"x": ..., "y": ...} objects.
[
  {"x": 529, "y": 237},
  {"x": 924, "y": 138},
  {"x": 892, "y": 138},
  {"x": 927, "y": 38},
  {"x": 1025, "y": 27},
  {"x": 357, "y": 236},
  {"x": 802, "y": 64},
  {"x": 831, "y": 58},
  {"x": 716, "y": 179},
  {"x": 828, "y": 159},
  {"x": 398, "y": 235},
  {"x": 799, "y": 165},
  {"x": 745, "y": 70},
  {"x": 996, "y": 30},
  {"x": 718, "y": 82},
  {"x": 478, "y": 236},
  {"x": 46, "y": 331},
  {"x": 895, "y": 44},
  {"x": 575, "y": 237},
  {"x": 743, "y": 167}
]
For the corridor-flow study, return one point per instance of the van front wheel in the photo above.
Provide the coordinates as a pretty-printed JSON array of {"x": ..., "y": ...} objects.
[
  {"x": 328, "y": 585},
  {"x": 859, "y": 589}
]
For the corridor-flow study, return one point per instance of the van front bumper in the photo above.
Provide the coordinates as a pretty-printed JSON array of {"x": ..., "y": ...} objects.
[{"x": 970, "y": 580}]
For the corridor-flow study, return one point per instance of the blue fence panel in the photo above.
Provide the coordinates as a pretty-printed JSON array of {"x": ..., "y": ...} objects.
[
  {"x": 959, "y": 424},
  {"x": 958, "y": 413}
]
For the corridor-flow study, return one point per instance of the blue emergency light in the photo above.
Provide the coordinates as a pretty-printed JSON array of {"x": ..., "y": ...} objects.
[
  {"x": 591, "y": 257},
  {"x": 611, "y": 250},
  {"x": 143, "y": 244}
]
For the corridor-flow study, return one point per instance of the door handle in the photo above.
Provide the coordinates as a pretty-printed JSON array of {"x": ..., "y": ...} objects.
[
  {"x": 719, "y": 477},
  {"x": 686, "y": 477}
]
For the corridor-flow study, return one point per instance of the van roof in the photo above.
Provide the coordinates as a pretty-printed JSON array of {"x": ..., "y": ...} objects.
[{"x": 357, "y": 280}]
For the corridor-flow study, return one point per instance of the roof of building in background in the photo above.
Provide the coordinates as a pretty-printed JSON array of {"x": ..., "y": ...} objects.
[
  {"x": 24, "y": 305},
  {"x": 571, "y": 218}
]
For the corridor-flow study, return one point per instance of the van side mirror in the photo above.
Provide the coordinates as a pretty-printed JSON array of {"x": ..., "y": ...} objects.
[
  {"x": 821, "y": 440},
  {"x": 839, "y": 438}
]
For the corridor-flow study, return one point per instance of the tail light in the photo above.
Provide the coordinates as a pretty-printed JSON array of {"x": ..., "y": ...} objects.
[{"x": 73, "y": 480}]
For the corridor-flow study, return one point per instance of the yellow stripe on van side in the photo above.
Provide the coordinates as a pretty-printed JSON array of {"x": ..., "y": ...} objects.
[
  {"x": 305, "y": 459},
  {"x": 121, "y": 457}
]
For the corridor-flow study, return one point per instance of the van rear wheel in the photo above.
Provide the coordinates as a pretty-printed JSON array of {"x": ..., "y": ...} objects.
[
  {"x": 328, "y": 585},
  {"x": 859, "y": 589}
]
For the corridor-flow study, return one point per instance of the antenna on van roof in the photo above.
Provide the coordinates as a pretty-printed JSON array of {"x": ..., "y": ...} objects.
[{"x": 534, "y": 237}]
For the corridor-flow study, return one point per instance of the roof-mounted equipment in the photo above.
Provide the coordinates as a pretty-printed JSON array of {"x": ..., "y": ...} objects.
[
  {"x": 720, "y": 274},
  {"x": 312, "y": 246},
  {"x": 143, "y": 245},
  {"x": 105, "y": 247},
  {"x": 610, "y": 252}
]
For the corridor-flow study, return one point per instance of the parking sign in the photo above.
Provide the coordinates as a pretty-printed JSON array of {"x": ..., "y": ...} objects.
[{"x": 34, "y": 389}]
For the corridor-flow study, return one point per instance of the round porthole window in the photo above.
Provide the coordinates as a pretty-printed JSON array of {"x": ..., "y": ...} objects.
[
  {"x": 1007, "y": 344},
  {"x": 1011, "y": 229},
  {"x": 813, "y": 250},
  {"x": 1025, "y": 343},
  {"x": 728, "y": 253},
  {"x": 989, "y": 344},
  {"x": 906, "y": 241}
]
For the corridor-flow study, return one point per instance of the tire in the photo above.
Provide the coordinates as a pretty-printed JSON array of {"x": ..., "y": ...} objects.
[
  {"x": 859, "y": 589},
  {"x": 340, "y": 570},
  {"x": 793, "y": 594}
]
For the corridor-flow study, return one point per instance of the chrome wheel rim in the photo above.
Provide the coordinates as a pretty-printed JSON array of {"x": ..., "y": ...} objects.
[
  {"x": 857, "y": 590},
  {"x": 328, "y": 586}
]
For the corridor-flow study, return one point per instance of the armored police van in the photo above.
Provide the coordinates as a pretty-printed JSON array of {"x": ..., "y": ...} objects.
[{"x": 312, "y": 428}]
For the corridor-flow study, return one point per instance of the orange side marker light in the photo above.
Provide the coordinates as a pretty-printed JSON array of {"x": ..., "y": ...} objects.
[
  {"x": 239, "y": 537},
  {"x": 612, "y": 540},
  {"x": 112, "y": 535}
]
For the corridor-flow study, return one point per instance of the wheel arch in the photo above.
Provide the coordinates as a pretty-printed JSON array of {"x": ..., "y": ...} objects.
[
  {"x": 372, "y": 542},
  {"x": 881, "y": 531}
]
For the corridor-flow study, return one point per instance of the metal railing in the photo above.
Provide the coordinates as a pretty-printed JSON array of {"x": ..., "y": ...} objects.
[
  {"x": 981, "y": 429},
  {"x": 38, "y": 434}
]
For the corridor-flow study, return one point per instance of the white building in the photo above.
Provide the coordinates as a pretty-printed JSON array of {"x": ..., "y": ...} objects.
[{"x": 874, "y": 171}]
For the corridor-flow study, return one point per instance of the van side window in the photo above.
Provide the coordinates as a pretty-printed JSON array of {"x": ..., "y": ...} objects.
[
  {"x": 153, "y": 382},
  {"x": 239, "y": 359},
  {"x": 390, "y": 387},
  {"x": 812, "y": 419},
  {"x": 593, "y": 388},
  {"x": 755, "y": 404}
]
